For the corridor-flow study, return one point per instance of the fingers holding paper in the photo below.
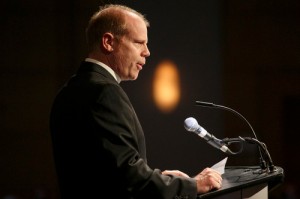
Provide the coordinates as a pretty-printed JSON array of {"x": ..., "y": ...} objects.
[{"x": 208, "y": 180}]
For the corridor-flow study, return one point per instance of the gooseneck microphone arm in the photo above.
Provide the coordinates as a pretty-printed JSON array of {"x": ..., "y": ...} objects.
[
  {"x": 261, "y": 145},
  {"x": 212, "y": 105}
]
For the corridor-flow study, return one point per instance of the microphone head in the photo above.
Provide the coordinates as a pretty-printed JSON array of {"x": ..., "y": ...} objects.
[{"x": 191, "y": 124}]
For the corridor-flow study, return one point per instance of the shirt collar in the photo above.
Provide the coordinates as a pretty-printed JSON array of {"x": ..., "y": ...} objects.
[{"x": 115, "y": 75}]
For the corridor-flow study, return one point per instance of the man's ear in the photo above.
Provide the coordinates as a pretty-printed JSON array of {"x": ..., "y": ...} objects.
[{"x": 107, "y": 41}]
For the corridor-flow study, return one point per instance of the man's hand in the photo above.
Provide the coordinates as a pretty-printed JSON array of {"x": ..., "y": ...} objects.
[
  {"x": 175, "y": 173},
  {"x": 208, "y": 180}
]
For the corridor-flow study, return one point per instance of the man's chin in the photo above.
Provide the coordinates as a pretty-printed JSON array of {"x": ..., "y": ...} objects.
[
  {"x": 134, "y": 76},
  {"x": 131, "y": 78}
]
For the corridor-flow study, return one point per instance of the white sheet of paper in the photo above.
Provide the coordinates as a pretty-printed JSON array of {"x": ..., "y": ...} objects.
[{"x": 220, "y": 166}]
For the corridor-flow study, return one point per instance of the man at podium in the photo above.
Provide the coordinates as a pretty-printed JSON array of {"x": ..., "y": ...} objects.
[{"x": 98, "y": 142}]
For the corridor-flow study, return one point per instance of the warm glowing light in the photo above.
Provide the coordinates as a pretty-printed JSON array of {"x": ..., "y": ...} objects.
[{"x": 166, "y": 86}]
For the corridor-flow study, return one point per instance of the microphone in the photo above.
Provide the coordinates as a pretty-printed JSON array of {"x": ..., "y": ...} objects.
[{"x": 191, "y": 124}]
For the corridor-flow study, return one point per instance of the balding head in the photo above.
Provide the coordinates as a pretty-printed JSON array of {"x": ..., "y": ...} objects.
[{"x": 110, "y": 18}]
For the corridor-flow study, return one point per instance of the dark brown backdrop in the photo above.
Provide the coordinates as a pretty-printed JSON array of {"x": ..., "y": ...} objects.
[{"x": 242, "y": 54}]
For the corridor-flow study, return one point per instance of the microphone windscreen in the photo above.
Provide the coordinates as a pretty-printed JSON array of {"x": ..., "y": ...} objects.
[{"x": 190, "y": 124}]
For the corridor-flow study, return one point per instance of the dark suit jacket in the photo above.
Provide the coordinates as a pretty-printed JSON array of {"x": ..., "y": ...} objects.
[{"x": 98, "y": 143}]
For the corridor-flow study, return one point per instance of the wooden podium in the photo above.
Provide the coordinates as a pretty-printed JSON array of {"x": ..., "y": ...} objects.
[{"x": 241, "y": 182}]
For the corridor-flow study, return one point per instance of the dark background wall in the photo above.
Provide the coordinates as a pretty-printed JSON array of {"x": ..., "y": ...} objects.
[{"x": 242, "y": 54}]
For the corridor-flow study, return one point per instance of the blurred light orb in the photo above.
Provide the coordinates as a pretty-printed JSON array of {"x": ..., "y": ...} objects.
[{"x": 166, "y": 86}]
